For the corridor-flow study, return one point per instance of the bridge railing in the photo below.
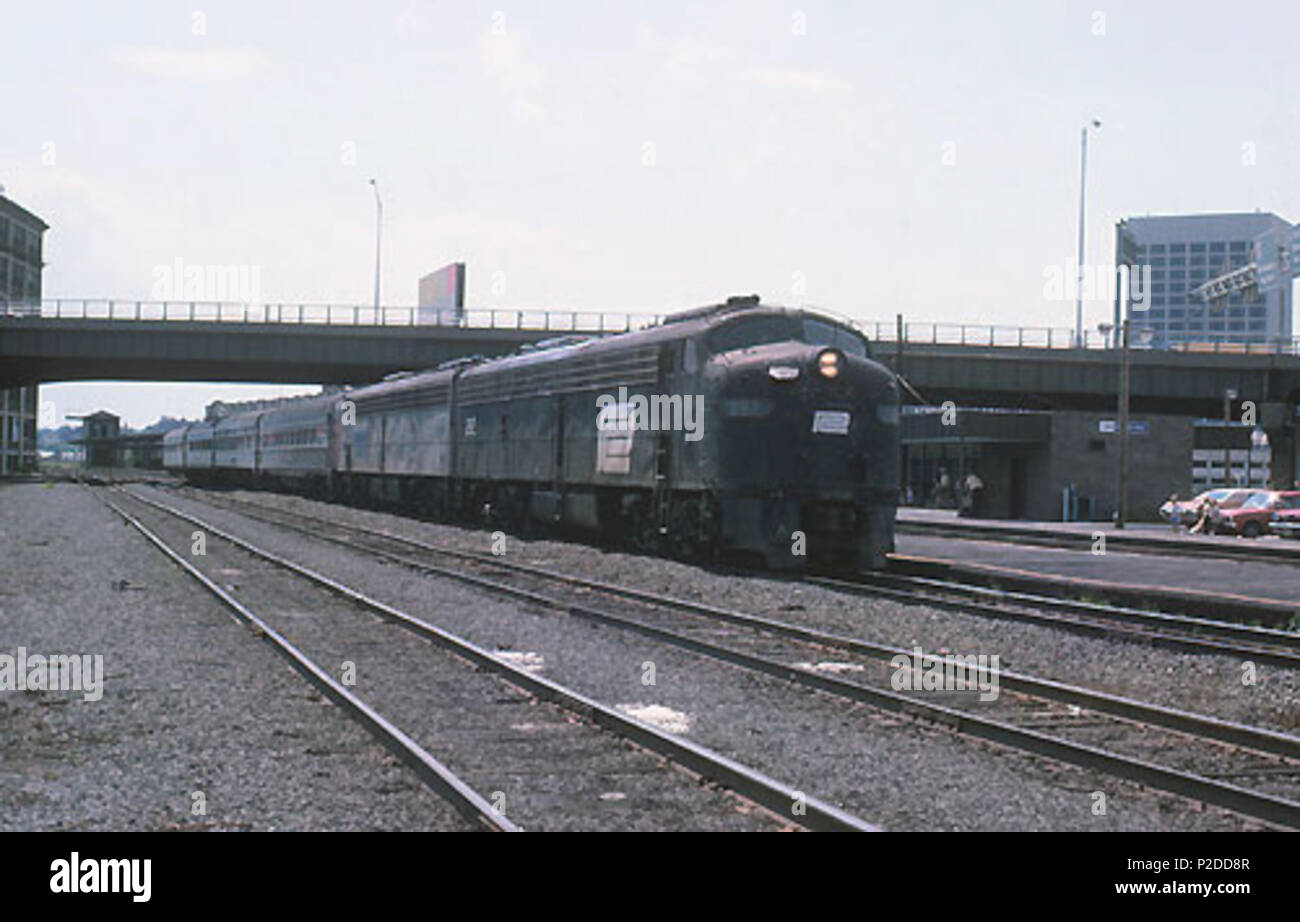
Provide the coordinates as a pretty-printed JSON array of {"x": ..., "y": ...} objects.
[
  {"x": 966, "y": 334},
  {"x": 595, "y": 322},
  {"x": 555, "y": 321}
]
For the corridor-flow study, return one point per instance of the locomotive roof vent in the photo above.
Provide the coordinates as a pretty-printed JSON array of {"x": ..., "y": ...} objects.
[
  {"x": 733, "y": 303},
  {"x": 460, "y": 362},
  {"x": 555, "y": 342}
]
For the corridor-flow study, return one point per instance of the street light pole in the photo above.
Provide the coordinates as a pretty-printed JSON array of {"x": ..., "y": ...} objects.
[
  {"x": 1078, "y": 282},
  {"x": 379, "y": 228}
]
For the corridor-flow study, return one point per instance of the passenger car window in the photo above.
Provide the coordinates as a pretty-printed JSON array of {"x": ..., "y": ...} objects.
[{"x": 753, "y": 331}]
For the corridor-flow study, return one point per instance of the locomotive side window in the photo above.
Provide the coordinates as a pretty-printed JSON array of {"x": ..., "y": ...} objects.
[
  {"x": 690, "y": 356},
  {"x": 820, "y": 333},
  {"x": 754, "y": 331}
]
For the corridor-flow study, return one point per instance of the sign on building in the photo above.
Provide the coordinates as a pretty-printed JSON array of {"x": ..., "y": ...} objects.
[
  {"x": 442, "y": 296},
  {"x": 1135, "y": 426}
]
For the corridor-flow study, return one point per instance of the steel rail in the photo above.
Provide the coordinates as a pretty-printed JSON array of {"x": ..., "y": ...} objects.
[
  {"x": 433, "y": 773},
  {"x": 1259, "y": 806},
  {"x": 1231, "y": 609},
  {"x": 1232, "y": 630},
  {"x": 758, "y": 787},
  {"x": 1174, "y": 631},
  {"x": 1178, "y": 720}
]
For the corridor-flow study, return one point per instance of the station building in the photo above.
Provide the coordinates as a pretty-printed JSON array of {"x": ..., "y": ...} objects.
[
  {"x": 105, "y": 445},
  {"x": 20, "y": 293},
  {"x": 1063, "y": 465}
]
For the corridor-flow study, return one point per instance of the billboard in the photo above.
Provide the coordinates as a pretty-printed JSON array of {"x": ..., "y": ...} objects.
[{"x": 442, "y": 295}]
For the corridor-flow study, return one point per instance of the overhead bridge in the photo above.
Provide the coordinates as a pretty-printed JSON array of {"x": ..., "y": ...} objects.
[
  {"x": 1039, "y": 368},
  {"x": 283, "y": 344},
  {"x": 1018, "y": 367}
]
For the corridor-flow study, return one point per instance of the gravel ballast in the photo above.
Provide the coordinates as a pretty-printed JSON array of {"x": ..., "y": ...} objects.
[
  {"x": 192, "y": 702},
  {"x": 892, "y": 771}
]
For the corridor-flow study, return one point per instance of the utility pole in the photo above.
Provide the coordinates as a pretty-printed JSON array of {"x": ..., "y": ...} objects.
[
  {"x": 1121, "y": 499},
  {"x": 379, "y": 228},
  {"x": 1078, "y": 281}
]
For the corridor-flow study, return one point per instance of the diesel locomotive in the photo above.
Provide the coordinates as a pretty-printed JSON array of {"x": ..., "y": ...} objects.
[{"x": 741, "y": 428}]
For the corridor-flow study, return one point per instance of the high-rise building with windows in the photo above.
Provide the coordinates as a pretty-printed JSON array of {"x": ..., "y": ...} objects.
[
  {"x": 20, "y": 294},
  {"x": 1184, "y": 252}
]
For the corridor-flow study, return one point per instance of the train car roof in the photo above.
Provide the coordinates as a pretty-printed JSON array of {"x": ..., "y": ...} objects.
[
  {"x": 681, "y": 325},
  {"x": 299, "y": 407},
  {"x": 677, "y": 326},
  {"x": 239, "y": 420}
]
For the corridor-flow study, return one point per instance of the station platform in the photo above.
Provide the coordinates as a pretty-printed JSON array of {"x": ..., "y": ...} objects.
[
  {"x": 1143, "y": 534},
  {"x": 1263, "y": 568}
]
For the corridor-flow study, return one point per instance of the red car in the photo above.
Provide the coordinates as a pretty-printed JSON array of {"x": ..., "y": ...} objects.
[
  {"x": 1286, "y": 516},
  {"x": 1188, "y": 511},
  {"x": 1252, "y": 518}
]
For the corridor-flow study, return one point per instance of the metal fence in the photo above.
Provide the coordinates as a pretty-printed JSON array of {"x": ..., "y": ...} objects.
[
  {"x": 557, "y": 321},
  {"x": 595, "y": 322},
  {"x": 965, "y": 334}
]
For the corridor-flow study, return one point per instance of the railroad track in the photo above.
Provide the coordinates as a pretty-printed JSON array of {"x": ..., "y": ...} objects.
[
  {"x": 1219, "y": 749},
  {"x": 763, "y": 794},
  {"x": 1179, "y": 632},
  {"x": 435, "y": 775},
  {"x": 1214, "y": 606}
]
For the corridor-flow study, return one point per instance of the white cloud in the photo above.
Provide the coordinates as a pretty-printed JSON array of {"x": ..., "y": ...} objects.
[{"x": 209, "y": 64}]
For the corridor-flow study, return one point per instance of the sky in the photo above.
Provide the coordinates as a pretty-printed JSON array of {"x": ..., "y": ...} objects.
[{"x": 868, "y": 158}]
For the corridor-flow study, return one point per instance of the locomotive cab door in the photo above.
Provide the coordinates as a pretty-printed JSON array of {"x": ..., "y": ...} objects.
[{"x": 669, "y": 382}]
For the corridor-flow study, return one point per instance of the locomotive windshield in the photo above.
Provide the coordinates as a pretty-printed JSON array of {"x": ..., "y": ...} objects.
[
  {"x": 751, "y": 331},
  {"x": 748, "y": 332},
  {"x": 821, "y": 333}
]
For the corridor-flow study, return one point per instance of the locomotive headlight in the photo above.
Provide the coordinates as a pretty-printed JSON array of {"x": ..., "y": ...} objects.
[
  {"x": 783, "y": 372},
  {"x": 828, "y": 363}
]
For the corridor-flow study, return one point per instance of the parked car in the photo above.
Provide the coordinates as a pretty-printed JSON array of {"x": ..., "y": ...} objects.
[
  {"x": 1286, "y": 515},
  {"x": 1188, "y": 511},
  {"x": 1253, "y": 517}
]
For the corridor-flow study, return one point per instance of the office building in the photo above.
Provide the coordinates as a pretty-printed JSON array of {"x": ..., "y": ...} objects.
[
  {"x": 20, "y": 294},
  {"x": 1185, "y": 252}
]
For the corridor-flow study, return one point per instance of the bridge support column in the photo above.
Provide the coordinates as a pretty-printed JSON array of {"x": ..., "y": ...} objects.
[
  {"x": 1284, "y": 465},
  {"x": 1279, "y": 421}
]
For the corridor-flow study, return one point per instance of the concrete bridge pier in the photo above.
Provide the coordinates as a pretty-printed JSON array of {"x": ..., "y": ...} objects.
[{"x": 1278, "y": 420}]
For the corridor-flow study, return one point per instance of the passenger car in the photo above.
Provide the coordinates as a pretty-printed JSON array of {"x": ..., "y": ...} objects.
[
  {"x": 1253, "y": 517},
  {"x": 1285, "y": 520},
  {"x": 1188, "y": 511}
]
